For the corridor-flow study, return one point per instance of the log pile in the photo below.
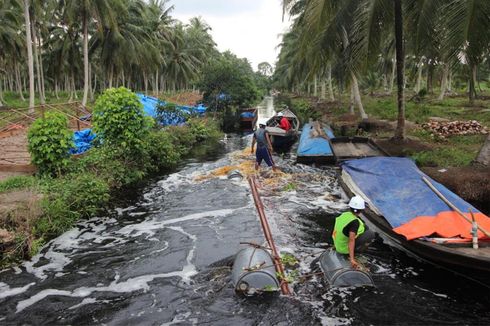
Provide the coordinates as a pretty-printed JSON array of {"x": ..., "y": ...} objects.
[{"x": 445, "y": 129}]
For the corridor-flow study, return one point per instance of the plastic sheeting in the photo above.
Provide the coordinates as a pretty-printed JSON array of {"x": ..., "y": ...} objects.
[
  {"x": 248, "y": 115},
  {"x": 395, "y": 187},
  {"x": 150, "y": 105},
  {"x": 83, "y": 141},
  {"x": 317, "y": 146}
]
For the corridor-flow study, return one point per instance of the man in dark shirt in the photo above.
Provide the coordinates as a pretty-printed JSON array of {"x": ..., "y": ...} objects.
[{"x": 264, "y": 147}]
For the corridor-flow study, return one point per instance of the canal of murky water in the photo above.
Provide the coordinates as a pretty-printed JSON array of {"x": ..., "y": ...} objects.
[{"x": 165, "y": 257}]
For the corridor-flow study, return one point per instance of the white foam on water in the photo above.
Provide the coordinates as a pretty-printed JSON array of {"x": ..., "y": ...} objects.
[
  {"x": 6, "y": 291},
  {"x": 149, "y": 227},
  {"x": 441, "y": 295},
  {"x": 83, "y": 303},
  {"x": 130, "y": 285},
  {"x": 17, "y": 270}
]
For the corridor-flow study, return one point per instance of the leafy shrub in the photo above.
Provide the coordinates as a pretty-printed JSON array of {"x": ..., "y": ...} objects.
[
  {"x": 161, "y": 151},
  {"x": 204, "y": 129},
  {"x": 49, "y": 140},
  {"x": 68, "y": 199},
  {"x": 119, "y": 120},
  {"x": 112, "y": 165},
  {"x": 304, "y": 111},
  {"x": 182, "y": 138}
]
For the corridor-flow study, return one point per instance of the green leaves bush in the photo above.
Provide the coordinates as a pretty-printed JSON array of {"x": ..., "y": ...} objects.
[
  {"x": 161, "y": 151},
  {"x": 119, "y": 120},
  {"x": 49, "y": 142},
  {"x": 69, "y": 198}
]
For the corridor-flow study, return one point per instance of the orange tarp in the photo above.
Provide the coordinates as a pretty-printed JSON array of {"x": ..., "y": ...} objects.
[{"x": 446, "y": 224}]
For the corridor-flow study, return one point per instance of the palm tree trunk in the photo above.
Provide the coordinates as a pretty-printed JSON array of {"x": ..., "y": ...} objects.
[
  {"x": 111, "y": 75},
  {"x": 419, "y": 77},
  {"x": 330, "y": 87},
  {"x": 472, "y": 90},
  {"x": 323, "y": 89},
  {"x": 449, "y": 87},
  {"x": 156, "y": 83},
  {"x": 30, "y": 61},
  {"x": 351, "y": 103},
  {"x": 36, "y": 61},
  {"x": 357, "y": 96},
  {"x": 56, "y": 88},
  {"x": 400, "y": 63},
  {"x": 18, "y": 81},
  {"x": 73, "y": 85},
  {"x": 146, "y": 83},
  {"x": 1, "y": 93},
  {"x": 85, "y": 60},
  {"x": 445, "y": 71},
  {"x": 315, "y": 86},
  {"x": 392, "y": 79}
]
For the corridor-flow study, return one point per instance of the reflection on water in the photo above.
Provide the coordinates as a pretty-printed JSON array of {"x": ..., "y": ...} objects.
[{"x": 165, "y": 258}]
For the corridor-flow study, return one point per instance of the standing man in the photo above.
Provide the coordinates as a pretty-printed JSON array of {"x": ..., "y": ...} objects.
[
  {"x": 264, "y": 146},
  {"x": 350, "y": 233},
  {"x": 284, "y": 122}
]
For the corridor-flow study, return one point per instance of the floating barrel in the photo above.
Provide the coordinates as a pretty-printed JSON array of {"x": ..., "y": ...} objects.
[
  {"x": 338, "y": 271},
  {"x": 235, "y": 174},
  {"x": 253, "y": 271}
]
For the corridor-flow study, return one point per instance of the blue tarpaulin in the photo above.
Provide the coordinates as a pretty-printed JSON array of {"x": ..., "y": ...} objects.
[
  {"x": 150, "y": 105},
  {"x": 395, "y": 186},
  {"x": 317, "y": 146},
  {"x": 83, "y": 141},
  {"x": 247, "y": 114}
]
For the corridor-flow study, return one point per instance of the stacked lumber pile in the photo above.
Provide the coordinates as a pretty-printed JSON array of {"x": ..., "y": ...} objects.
[{"x": 444, "y": 129}]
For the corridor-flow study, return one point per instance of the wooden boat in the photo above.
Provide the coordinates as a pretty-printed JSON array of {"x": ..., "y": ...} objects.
[
  {"x": 282, "y": 140},
  {"x": 248, "y": 118},
  {"x": 314, "y": 144},
  {"x": 453, "y": 253},
  {"x": 347, "y": 148}
]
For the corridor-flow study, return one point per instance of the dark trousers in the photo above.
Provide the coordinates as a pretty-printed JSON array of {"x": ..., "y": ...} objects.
[{"x": 364, "y": 240}]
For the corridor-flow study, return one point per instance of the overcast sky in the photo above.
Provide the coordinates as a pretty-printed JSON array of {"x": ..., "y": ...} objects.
[{"x": 249, "y": 28}]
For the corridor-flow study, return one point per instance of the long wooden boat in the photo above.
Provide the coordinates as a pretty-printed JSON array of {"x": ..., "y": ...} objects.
[
  {"x": 454, "y": 253},
  {"x": 248, "y": 118},
  {"x": 282, "y": 140},
  {"x": 314, "y": 144},
  {"x": 347, "y": 148}
]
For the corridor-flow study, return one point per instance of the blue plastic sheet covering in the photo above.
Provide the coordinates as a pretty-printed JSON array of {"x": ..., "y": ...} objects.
[
  {"x": 83, "y": 141},
  {"x": 395, "y": 186},
  {"x": 247, "y": 114},
  {"x": 317, "y": 146},
  {"x": 150, "y": 105}
]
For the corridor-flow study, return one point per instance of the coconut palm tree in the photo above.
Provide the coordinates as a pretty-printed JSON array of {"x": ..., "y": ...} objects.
[{"x": 30, "y": 61}]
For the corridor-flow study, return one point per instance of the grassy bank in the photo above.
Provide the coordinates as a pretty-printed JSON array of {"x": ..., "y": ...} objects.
[
  {"x": 423, "y": 147},
  {"x": 35, "y": 209}
]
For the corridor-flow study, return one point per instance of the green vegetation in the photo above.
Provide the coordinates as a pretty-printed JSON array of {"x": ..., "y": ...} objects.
[
  {"x": 50, "y": 140},
  {"x": 119, "y": 120},
  {"x": 17, "y": 182},
  {"x": 86, "y": 184}
]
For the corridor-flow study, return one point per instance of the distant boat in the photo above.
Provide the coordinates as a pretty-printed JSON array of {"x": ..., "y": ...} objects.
[
  {"x": 282, "y": 140},
  {"x": 248, "y": 118},
  {"x": 314, "y": 144},
  {"x": 407, "y": 213}
]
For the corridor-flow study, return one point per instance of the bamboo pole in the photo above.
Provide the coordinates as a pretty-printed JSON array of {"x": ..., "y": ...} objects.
[
  {"x": 457, "y": 210},
  {"x": 268, "y": 235}
]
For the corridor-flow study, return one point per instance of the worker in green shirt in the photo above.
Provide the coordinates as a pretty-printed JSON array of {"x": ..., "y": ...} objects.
[{"x": 349, "y": 233}]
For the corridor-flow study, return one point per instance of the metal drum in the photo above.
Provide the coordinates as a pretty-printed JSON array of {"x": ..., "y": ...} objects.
[
  {"x": 339, "y": 272},
  {"x": 253, "y": 272}
]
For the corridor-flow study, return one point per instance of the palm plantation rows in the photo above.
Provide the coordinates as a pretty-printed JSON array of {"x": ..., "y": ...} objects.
[
  {"x": 418, "y": 45},
  {"x": 74, "y": 45}
]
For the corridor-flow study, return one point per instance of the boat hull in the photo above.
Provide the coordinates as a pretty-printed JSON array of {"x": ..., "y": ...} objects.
[{"x": 472, "y": 266}]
